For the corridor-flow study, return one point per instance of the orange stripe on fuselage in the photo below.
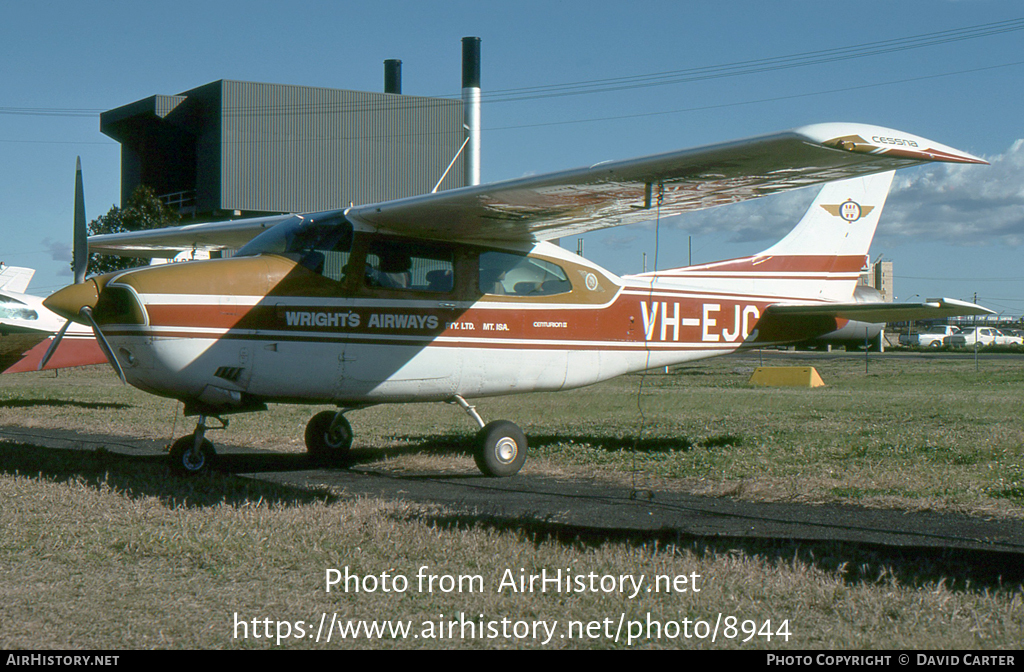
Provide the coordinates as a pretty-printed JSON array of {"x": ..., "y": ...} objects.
[
  {"x": 824, "y": 264},
  {"x": 665, "y": 316}
]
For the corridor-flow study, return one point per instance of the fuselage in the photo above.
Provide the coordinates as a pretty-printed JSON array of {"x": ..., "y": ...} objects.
[{"x": 372, "y": 318}]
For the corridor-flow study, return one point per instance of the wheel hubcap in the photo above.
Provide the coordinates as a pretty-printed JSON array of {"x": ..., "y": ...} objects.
[
  {"x": 193, "y": 459},
  {"x": 506, "y": 450}
]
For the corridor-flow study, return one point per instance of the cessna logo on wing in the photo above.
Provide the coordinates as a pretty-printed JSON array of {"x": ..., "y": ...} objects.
[{"x": 851, "y": 210}]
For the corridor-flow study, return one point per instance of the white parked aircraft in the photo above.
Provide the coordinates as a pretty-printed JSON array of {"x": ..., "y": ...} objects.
[
  {"x": 455, "y": 296},
  {"x": 26, "y": 326}
]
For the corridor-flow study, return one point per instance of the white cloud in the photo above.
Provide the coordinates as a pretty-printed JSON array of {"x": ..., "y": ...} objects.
[
  {"x": 58, "y": 251},
  {"x": 949, "y": 203},
  {"x": 959, "y": 204},
  {"x": 763, "y": 219}
]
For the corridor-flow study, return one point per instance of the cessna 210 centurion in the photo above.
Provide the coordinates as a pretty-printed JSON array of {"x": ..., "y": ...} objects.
[{"x": 456, "y": 295}]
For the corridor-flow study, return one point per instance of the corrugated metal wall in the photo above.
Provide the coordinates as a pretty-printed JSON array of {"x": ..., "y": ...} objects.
[{"x": 302, "y": 149}]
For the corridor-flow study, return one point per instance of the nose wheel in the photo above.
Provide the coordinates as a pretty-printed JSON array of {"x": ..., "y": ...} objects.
[{"x": 194, "y": 454}]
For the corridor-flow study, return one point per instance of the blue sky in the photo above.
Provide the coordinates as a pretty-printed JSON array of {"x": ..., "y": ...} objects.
[{"x": 950, "y": 232}]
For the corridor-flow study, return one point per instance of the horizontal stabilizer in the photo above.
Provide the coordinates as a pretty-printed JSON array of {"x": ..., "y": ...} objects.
[
  {"x": 781, "y": 324},
  {"x": 931, "y": 309}
]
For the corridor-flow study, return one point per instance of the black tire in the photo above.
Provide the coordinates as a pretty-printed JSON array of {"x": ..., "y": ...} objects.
[
  {"x": 185, "y": 461},
  {"x": 326, "y": 447},
  {"x": 501, "y": 449}
]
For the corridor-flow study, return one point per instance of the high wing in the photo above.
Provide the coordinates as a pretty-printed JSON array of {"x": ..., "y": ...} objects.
[
  {"x": 169, "y": 241},
  {"x": 600, "y": 196},
  {"x": 623, "y": 192}
]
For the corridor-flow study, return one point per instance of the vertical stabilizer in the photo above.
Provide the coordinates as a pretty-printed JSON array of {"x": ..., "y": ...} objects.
[
  {"x": 819, "y": 260},
  {"x": 840, "y": 222}
]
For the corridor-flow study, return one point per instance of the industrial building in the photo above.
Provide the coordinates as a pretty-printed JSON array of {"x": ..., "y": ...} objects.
[
  {"x": 232, "y": 148},
  {"x": 878, "y": 276}
]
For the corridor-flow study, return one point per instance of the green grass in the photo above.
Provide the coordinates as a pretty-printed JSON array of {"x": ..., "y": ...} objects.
[{"x": 99, "y": 551}]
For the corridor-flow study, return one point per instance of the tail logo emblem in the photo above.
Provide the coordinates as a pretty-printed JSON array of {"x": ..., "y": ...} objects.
[{"x": 851, "y": 211}]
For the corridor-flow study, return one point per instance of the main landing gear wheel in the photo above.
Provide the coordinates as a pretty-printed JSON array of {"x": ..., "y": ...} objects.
[
  {"x": 186, "y": 460},
  {"x": 501, "y": 449},
  {"x": 328, "y": 438}
]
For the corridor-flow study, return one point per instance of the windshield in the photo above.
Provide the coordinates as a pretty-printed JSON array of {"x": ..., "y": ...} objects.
[
  {"x": 298, "y": 236},
  {"x": 16, "y": 310}
]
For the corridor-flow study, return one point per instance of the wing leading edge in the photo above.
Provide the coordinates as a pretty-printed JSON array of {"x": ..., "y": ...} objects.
[
  {"x": 601, "y": 196},
  {"x": 168, "y": 242}
]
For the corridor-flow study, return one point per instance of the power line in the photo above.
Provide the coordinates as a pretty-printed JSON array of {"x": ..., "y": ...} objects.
[
  {"x": 51, "y": 111},
  {"x": 757, "y": 66},
  {"x": 608, "y": 85},
  {"x": 844, "y": 89}
]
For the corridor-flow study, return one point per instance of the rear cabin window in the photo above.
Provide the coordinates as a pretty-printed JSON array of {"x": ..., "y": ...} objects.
[
  {"x": 505, "y": 273},
  {"x": 404, "y": 265}
]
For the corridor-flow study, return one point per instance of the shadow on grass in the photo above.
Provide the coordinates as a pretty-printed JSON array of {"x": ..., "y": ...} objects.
[
  {"x": 859, "y": 563},
  {"x": 464, "y": 444},
  {"x": 150, "y": 475},
  {"x": 61, "y": 403}
]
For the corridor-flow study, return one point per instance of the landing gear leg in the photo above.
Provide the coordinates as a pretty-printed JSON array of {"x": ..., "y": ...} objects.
[
  {"x": 500, "y": 445},
  {"x": 194, "y": 454}
]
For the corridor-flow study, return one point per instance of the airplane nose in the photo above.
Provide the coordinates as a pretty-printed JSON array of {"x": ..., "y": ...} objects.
[{"x": 69, "y": 301}]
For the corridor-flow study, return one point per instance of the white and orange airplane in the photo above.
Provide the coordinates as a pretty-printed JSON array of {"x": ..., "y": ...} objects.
[
  {"x": 28, "y": 329},
  {"x": 455, "y": 296}
]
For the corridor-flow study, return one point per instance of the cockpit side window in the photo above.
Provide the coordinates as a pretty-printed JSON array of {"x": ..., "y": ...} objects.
[
  {"x": 409, "y": 265},
  {"x": 506, "y": 273}
]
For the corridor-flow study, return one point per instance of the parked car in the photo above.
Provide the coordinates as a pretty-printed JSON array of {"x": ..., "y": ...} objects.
[
  {"x": 929, "y": 337},
  {"x": 1007, "y": 337},
  {"x": 969, "y": 336}
]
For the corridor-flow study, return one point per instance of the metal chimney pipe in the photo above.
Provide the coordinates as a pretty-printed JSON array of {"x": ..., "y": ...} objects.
[
  {"x": 471, "y": 100},
  {"x": 392, "y": 76}
]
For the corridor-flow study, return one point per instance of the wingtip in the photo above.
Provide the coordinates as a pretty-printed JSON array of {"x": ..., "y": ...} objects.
[{"x": 868, "y": 139}]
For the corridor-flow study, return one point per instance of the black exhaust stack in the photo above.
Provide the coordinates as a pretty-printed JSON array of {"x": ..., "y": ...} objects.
[{"x": 392, "y": 76}]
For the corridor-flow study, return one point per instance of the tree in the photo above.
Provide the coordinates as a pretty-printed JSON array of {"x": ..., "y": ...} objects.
[{"x": 142, "y": 211}]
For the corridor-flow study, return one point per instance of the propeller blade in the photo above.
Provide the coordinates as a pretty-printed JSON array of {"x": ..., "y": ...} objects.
[
  {"x": 53, "y": 346},
  {"x": 81, "y": 244},
  {"x": 80, "y": 262},
  {"x": 86, "y": 312}
]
